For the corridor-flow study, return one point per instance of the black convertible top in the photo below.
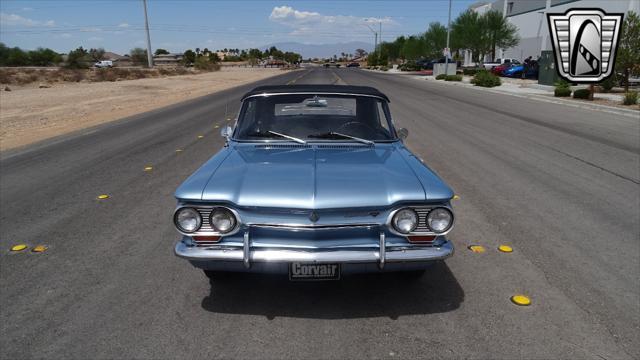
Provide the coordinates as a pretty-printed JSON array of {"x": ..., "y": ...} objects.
[{"x": 332, "y": 89}]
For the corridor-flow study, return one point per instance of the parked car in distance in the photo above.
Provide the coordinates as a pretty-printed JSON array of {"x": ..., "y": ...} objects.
[
  {"x": 315, "y": 182},
  {"x": 500, "y": 61},
  {"x": 498, "y": 70},
  {"x": 103, "y": 64},
  {"x": 326, "y": 65},
  {"x": 516, "y": 71},
  {"x": 353, "y": 64},
  {"x": 428, "y": 64}
]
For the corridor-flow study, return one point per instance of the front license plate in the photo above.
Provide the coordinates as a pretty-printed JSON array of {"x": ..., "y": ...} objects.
[{"x": 302, "y": 271}]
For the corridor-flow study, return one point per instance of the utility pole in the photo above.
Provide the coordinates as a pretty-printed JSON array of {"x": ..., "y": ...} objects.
[
  {"x": 375, "y": 44},
  {"x": 447, "y": 52},
  {"x": 146, "y": 26}
]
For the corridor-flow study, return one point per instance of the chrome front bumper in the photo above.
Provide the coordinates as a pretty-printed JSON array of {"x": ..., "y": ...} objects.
[{"x": 248, "y": 255}]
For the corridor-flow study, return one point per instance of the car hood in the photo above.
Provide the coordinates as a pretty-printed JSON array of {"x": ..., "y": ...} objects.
[{"x": 313, "y": 177}]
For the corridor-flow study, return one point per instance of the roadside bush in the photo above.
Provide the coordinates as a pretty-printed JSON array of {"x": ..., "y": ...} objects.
[
  {"x": 204, "y": 63},
  {"x": 562, "y": 89},
  {"x": 441, "y": 77},
  {"x": 384, "y": 68},
  {"x": 453, "y": 78},
  {"x": 105, "y": 75},
  {"x": 485, "y": 79},
  {"x": 608, "y": 84},
  {"x": 581, "y": 94},
  {"x": 630, "y": 98},
  {"x": 469, "y": 71}
]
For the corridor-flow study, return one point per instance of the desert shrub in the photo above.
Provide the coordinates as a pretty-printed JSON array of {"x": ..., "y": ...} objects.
[
  {"x": 74, "y": 75},
  {"x": 630, "y": 98},
  {"x": 441, "y": 77},
  {"x": 105, "y": 75},
  {"x": 6, "y": 76},
  {"x": 485, "y": 79},
  {"x": 180, "y": 70},
  {"x": 581, "y": 94},
  {"x": 205, "y": 63},
  {"x": 384, "y": 68},
  {"x": 453, "y": 78},
  {"x": 164, "y": 71}
]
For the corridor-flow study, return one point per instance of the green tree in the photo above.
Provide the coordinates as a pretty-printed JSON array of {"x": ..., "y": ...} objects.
[
  {"x": 189, "y": 57},
  {"x": 499, "y": 32},
  {"x": 435, "y": 39},
  {"x": 138, "y": 56},
  {"x": 78, "y": 59},
  {"x": 96, "y": 54},
  {"x": 44, "y": 57},
  {"x": 161, "y": 52},
  {"x": 628, "y": 56},
  {"x": 468, "y": 33}
]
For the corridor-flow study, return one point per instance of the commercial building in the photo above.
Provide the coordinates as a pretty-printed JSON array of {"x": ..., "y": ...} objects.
[{"x": 529, "y": 16}]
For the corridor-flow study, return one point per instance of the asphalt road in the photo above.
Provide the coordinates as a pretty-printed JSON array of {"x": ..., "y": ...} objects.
[{"x": 557, "y": 183}]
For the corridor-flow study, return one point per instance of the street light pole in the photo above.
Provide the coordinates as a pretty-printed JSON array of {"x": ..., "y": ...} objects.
[
  {"x": 446, "y": 55},
  {"x": 146, "y": 26}
]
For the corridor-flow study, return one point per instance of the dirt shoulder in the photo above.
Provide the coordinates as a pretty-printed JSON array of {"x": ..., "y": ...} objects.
[{"x": 29, "y": 114}]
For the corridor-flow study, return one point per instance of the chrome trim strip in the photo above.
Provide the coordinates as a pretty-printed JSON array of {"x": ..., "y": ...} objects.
[
  {"x": 313, "y": 227},
  {"x": 383, "y": 250},
  {"x": 246, "y": 250},
  {"x": 370, "y": 255}
]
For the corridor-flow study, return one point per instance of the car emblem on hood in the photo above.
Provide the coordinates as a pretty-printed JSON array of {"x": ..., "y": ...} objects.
[
  {"x": 313, "y": 216},
  {"x": 585, "y": 43}
]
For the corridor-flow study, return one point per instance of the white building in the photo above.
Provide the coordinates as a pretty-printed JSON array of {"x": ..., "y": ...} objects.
[{"x": 530, "y": 18}]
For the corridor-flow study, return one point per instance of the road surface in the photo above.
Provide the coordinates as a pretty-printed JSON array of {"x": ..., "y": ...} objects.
[{"x": 557, "y": 183}]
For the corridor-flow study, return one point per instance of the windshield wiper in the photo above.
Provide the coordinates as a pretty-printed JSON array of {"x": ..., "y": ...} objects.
[
  {"x": 300, "y": 141},
  {"x": 332, "y": 134}
]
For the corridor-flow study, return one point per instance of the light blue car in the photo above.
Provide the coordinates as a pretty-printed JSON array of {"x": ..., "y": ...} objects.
[{"x": 314, "y": 181}]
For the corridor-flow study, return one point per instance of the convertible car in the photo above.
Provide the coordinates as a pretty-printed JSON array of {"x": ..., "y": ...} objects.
[{"x": 314, "y": 181}]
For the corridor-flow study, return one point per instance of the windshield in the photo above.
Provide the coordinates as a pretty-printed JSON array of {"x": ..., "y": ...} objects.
[{"x": 308, "y": 117}]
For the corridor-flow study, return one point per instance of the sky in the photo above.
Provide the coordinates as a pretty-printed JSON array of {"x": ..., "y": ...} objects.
[{"x": 177, "y": 25}]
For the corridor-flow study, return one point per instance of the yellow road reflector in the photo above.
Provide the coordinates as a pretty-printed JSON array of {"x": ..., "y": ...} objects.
[
  {"x": 178, "y": 150},
  {"x": 103, "y": 196},
  {"x": 228, "y": 119},
  {"x": 505, "y": 248},
  {"x": 200, "y": 136},
  {"x": 217, "y": 126},
  {"x": 456, "y": 197},
  {"x": 521, "y": 300},
  {"x": 148, "y": 168},
  {"x": 18, "y": 247},
  {"x": 39, "y": 249},
  {"x": 477, "y": 248}
]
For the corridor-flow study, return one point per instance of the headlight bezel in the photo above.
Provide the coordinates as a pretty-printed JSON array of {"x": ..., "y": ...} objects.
[
  {"x": 420, "y": 210},
  {"x": 205, "y": 227},
  {"x": 233, "y": 214},
  {"x": 439, "y": 208},
  {"x": 394, "y": 221},
  {"x": 176, "y": 223}
]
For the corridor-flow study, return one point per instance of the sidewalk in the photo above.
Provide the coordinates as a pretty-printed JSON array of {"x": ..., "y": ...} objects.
[{"x": 530, "y": 89}]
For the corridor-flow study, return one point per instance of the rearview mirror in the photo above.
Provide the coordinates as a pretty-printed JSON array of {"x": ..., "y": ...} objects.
[
  {"x": 402, "y": 133},
  {"x": 226, "y": 132}
]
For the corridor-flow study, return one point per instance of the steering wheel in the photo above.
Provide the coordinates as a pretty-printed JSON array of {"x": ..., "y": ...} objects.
[{"x": 357, "y": 124}]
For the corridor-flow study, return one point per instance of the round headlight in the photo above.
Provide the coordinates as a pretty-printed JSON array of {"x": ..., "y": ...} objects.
[
  {"x": 187, "y": 220},
  {"x": 439, "y": 220},
  {"x": 223, "y": 220},
  {"x": 405, "y": 221}
]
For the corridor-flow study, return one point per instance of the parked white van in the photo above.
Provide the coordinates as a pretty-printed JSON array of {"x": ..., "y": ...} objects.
[{"x": 104, "y": 64}]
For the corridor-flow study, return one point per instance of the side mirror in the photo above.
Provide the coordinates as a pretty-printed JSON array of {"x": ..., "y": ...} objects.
[
  {"x": 226, "y": 132},
  {"x": 402, "y": 133}
]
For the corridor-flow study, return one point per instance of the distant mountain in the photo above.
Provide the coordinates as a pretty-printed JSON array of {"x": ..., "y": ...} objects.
[{"x": 320, "y": 50}]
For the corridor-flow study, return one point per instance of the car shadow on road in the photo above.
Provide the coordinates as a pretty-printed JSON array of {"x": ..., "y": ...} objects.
[{"x": 358, "y": 296}]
